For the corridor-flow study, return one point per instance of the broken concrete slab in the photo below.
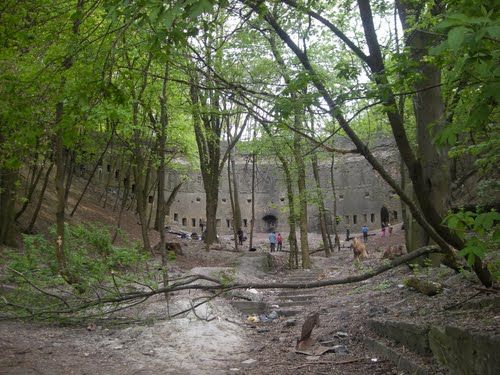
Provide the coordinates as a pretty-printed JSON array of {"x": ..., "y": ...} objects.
[
  {"x": 402, "y": 362},
  {"x": 411, "y": 335},
  {"x": 464, "y": 352}
]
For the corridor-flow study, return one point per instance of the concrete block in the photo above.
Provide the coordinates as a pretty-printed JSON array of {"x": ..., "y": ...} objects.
[
  {"x": 411, "y": 335},
  {"x": 465, "y": 353}
]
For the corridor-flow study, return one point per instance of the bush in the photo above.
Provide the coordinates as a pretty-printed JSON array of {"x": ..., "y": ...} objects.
[{"x": 100, "y": 268}]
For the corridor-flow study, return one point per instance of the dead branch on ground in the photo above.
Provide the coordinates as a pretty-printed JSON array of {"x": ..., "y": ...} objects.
[{"x": 198, "y": 282}]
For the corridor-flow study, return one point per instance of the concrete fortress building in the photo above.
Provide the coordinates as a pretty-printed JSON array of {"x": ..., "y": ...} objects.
[{"x": 362, "y": 196}]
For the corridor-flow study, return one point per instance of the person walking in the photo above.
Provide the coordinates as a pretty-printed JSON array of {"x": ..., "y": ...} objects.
[
  {"x": 272, "y": 241},
  {"x": 389, "y": 226},
  {"x": 364, "y": 230},
  {"x": 240, "y": 236},
  {"x": 383, "y": 229},
  {"x": 279, "y": 240}
]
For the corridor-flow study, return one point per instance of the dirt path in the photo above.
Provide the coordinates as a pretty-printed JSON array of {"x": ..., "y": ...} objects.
[{"x": 220, "y": 340}]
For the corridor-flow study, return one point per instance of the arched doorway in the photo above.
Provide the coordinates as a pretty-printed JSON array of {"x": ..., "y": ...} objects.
[
  {"x": 384, "y": 215},
  {"x": 270, "y": 222}
]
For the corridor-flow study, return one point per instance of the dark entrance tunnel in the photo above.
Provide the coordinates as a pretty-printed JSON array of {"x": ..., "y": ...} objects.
[
  {"x": 384, "y": 215},
  {"x": 270, "y": 222}
]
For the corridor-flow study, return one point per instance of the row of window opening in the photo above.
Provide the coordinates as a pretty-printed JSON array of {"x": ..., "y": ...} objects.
[
  {"x": 347, "y": 218},
  {"x": 195, "y": 223}
]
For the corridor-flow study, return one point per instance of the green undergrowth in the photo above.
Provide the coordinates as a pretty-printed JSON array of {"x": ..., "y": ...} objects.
[{"x": 101, "y": 269}]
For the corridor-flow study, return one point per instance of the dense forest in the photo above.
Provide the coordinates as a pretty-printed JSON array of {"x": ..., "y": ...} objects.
[{"x": 158, "y": 86}]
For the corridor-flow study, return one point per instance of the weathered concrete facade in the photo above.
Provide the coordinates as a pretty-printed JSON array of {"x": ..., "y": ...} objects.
[{"x": 362, "y": 196}]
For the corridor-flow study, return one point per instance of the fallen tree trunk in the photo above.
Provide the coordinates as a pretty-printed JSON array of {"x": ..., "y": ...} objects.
[{"x": 190, "y": 283}]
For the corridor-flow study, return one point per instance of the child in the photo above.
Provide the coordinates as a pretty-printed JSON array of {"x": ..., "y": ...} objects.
[{"x": 279, "y": 239}]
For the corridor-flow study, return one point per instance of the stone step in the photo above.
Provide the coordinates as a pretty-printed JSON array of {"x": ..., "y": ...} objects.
[
  {"x": 251, "y": 307},
  {"x": 290, "y": 303},
  {"x": 399, "y": 358},
  {"x": 296, "y": 297},
  {"x": 288, "y": 312},
  {"x": 292, "y": 292}
]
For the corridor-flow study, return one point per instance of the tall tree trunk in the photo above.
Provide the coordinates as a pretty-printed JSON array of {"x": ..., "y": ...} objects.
[
  {"x": 60, "y": 161},
  {"x": 171, "y": 197},
  {"x": 96, "y": 166},
  {"x": 212, "y": 195},
  {"x": 149, "y": 187},
  {"x": 112, "y": 161},
  {"x": 150, "y": 216},
  {"x": 299, "y": 162},
  {"x": 141, "y": 204},
  {"x": 37, "y": 174},
  {"x": 434, "y": 189},
  {"x": 31, "y": 225},
  {"x": 8, "y": 180},
  {"x": 141, "y": 189},
  {"x": 334, "y": 194},
  {"x": 327, "y": 241},
  {"x": 301, "y": 183},
  {"x": 428, "y": 218},
  {"x": 164, "y": 120},
  {"x": 207, "y": 130},
  {"x": 69, "y": 171},
  {"x": 236, "y": 197},
  {"x": 231, "y": 199},
  {"x": 34, "y": 171},
  {"x": 126, "y": 190},
  {"x": 61, "y": 164},
  {"x": 252, "y": 219},
  {"x": 293, "y": 259}
]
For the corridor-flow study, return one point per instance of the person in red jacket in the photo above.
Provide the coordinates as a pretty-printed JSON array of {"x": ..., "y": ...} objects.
[{"x": 279, "y": 240}]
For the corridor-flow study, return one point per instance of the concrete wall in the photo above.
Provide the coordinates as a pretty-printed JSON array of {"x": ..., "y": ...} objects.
[{"x": 361, "y": 193}]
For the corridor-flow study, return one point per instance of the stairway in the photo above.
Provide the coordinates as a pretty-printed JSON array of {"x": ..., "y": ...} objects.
[
  {"x": 291, "y": 302},
  {"x": 286, "y": 302}
]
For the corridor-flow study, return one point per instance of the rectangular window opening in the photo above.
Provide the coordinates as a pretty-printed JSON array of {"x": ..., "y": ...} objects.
[
  {"x": 193, "y": 222},
  {"x": 184, "y": 221},
  {"x": 372, "y": 218},
  {"x": 354, "y": 219},
  {"x": 176, "y": 217}
]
